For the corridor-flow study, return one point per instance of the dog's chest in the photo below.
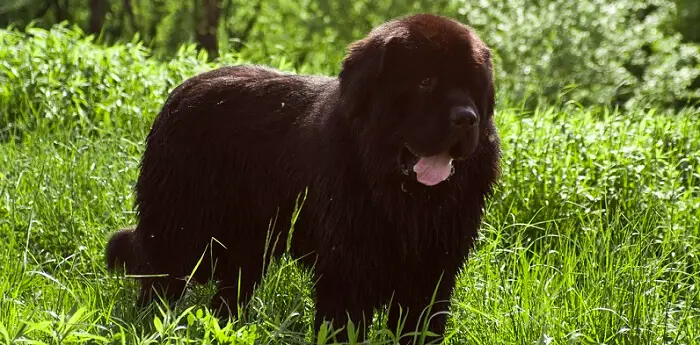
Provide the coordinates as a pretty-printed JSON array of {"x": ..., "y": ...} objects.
[{"x": 403, "y": 228}]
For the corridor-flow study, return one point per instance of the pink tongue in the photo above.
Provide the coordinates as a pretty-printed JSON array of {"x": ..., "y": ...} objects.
[{"x": 434, "y": 169}]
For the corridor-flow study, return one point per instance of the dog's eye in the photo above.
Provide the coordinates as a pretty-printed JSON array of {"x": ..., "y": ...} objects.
[{"x": 426, "y": 83}]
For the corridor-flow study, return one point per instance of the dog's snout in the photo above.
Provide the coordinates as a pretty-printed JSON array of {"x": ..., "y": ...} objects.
[{"x": 464, "y": 117}]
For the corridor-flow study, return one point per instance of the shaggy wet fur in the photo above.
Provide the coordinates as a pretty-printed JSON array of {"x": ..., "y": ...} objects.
[{"x": 232, "y": 149}]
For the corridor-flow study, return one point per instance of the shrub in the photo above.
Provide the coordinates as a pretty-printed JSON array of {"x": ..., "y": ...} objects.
[
  {"x": 591, "y": 52},
  {"x": 61, "y": 79}
]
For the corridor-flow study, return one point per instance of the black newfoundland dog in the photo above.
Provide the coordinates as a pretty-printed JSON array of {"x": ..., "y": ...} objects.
[{"x": 393, "y": 161}]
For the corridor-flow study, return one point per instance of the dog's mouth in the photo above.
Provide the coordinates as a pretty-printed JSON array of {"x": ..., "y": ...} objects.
[{"x": 429, "y": 169}]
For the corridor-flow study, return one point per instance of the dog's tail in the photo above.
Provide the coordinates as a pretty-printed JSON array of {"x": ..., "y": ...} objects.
[{"x": 122, "y": 250}]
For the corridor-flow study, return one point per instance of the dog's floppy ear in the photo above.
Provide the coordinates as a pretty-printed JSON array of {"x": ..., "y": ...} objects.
[{"x": 362, "y": 68}]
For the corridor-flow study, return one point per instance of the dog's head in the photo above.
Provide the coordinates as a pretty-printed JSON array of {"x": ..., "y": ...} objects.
[{"x": 424, "y": 84}]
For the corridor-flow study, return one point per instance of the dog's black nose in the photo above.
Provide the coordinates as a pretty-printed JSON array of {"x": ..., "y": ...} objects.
[{"x": 464, "y": 117}]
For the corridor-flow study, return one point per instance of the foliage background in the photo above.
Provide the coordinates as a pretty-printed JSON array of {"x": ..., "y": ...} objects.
[{"x": 592, "y": 52}]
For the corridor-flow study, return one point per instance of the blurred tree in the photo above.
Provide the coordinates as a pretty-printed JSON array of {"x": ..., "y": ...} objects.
[
  {"x": 129, "y": 12},
  {"x": 152, "y": 14},
  {"x": 240, "y": 36},
  {"x": 688, "y": 20},
  {"x": 61, "y": 10},
  {"x": 206, "y": 18},
  {"x": 98, "y": 11}
]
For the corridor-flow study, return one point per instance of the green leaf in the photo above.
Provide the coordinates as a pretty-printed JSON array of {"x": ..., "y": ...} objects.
[{"x": 158, "y": 324}]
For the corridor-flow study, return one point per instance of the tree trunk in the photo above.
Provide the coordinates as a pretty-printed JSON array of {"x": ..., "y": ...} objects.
[
  {"x": 207, "y": 14},
  {"x": 60, "y": 14},
  {"x": 98, "y": 10}
]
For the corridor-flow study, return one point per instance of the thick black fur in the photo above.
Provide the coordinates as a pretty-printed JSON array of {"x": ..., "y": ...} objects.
[{"x": 233, "y": 148}]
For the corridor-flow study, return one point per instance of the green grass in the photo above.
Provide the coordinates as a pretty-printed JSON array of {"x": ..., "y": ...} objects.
[{"x": 592, "y": 237}]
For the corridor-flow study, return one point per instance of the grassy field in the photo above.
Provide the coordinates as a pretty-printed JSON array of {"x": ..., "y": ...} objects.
[{"x": 593, "y": 235}]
